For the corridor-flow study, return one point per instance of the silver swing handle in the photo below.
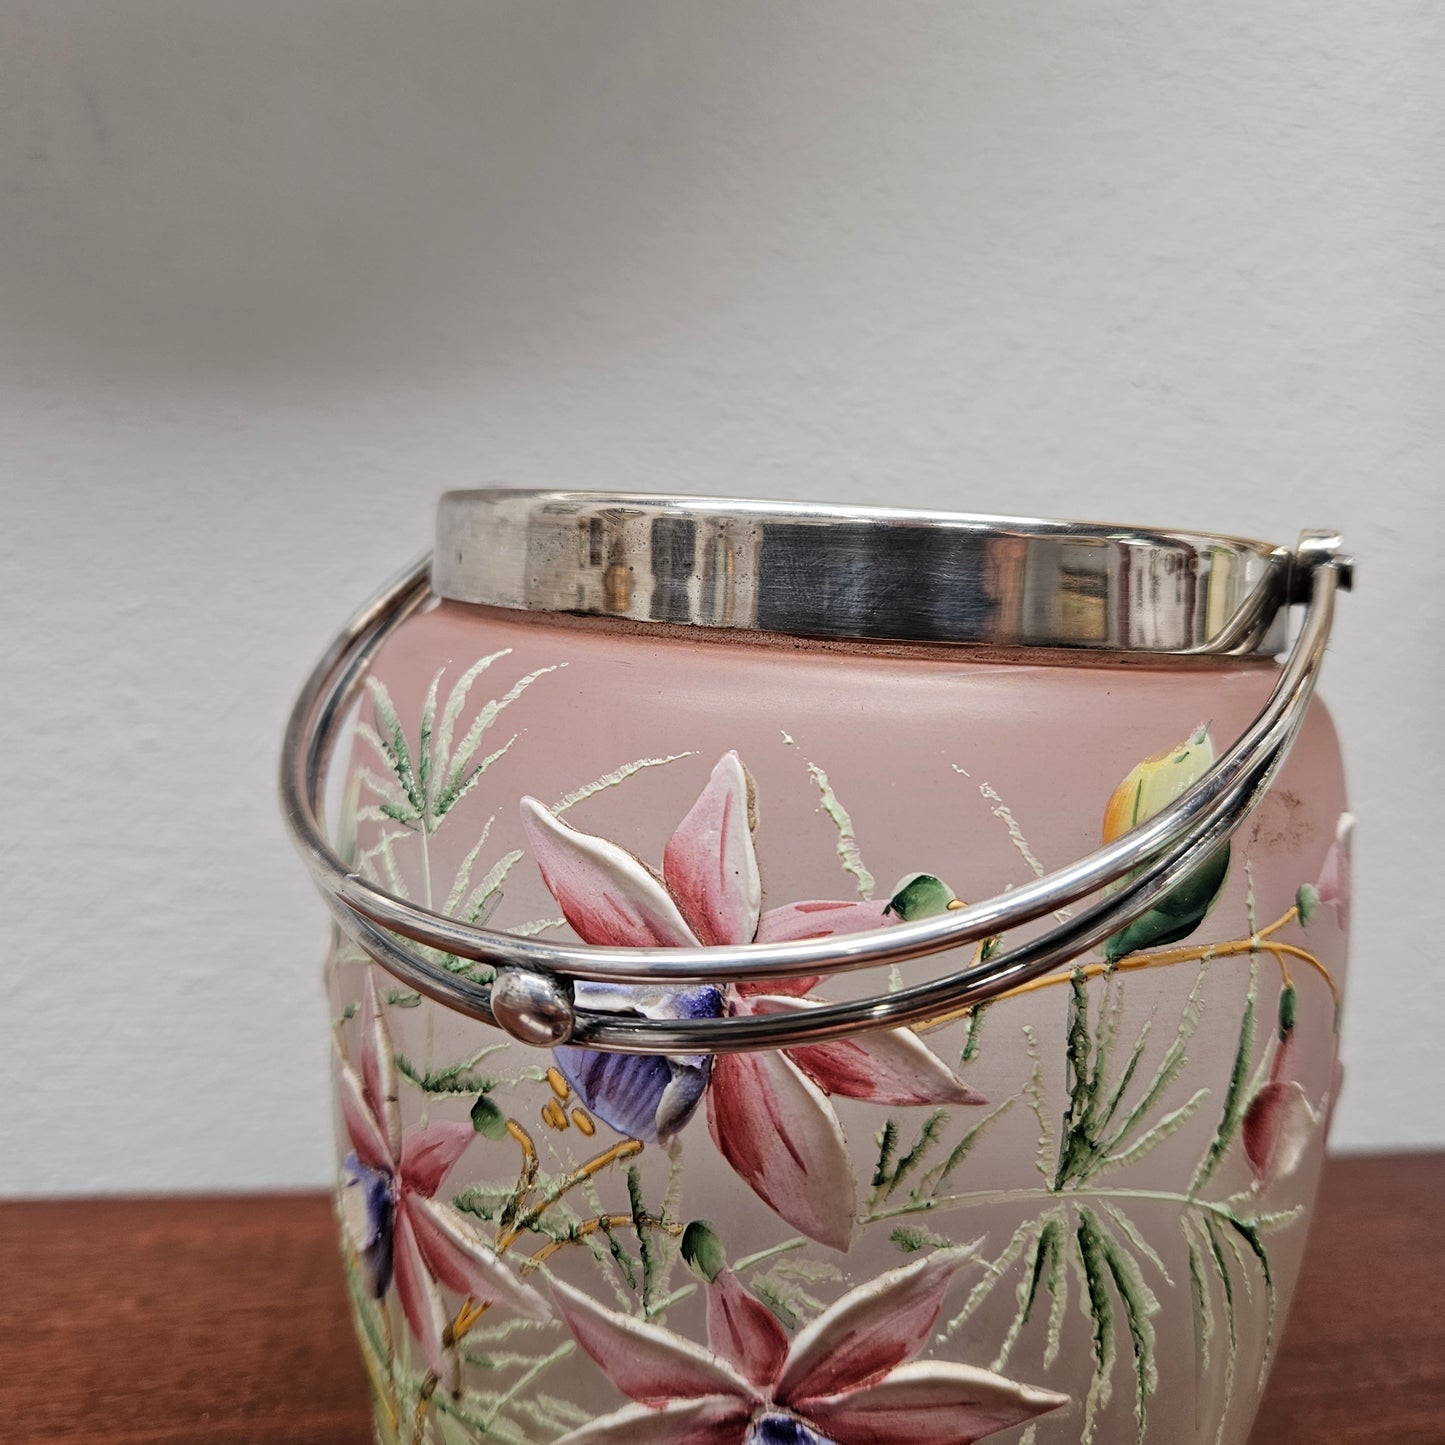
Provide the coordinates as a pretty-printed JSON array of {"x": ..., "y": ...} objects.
[{"x": 531, "y": 995}]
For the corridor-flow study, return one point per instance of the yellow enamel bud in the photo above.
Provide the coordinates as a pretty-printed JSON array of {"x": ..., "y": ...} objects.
[
  {"x": 1147, "y": 791},
  {"x": 1157, "y": 782}
]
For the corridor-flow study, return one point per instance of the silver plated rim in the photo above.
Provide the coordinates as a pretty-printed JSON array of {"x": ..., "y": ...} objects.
[
  {"x": 1153, "y": 857},
  {"x": 864, "y": 573}
]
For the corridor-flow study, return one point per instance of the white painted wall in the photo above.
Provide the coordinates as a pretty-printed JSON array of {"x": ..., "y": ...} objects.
[{"x": 274, "y": 275}]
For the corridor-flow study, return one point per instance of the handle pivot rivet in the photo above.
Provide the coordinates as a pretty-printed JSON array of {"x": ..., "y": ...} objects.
[{"x": 532, "y": 1007}]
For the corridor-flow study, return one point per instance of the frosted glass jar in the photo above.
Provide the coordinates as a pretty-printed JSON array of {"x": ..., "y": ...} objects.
[{"x": 1072, "y": 1212}]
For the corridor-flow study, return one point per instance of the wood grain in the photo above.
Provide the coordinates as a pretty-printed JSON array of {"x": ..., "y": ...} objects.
[
  {"x": 129, "y": 1321},
  {"x": 1363, "y": 1356},
  {"x": 177, "y": 1320}
]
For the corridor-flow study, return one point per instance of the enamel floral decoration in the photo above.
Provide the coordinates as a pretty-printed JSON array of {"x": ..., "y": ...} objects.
[
  {"x": 768, "y": 1112},
  {"x": 848, "y": 1379},
  {"x": 402, "y": 1232}
]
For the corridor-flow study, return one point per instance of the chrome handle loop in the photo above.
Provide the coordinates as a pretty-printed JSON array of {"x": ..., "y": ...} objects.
[{"x": 1154, "y": 857}]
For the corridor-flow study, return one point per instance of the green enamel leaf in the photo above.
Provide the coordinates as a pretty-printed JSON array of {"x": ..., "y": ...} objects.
[
  {"x": 394, "y": 743},
  {"x": 1177, "y": 914},
  {"x": 1100, "y": 1309},
  {"x": 1084, "y": 1074},
  {"x": 1057, "y": 1282},
  {"x": 423, "y": 751},
  {"x": 453, "y": 793},
  {"x": 1231, "y": 1318},
  {"x": 488, "y": 1119},
  {"x": 457, "y": 1078},
  {"x": 888, "y": 1180},
  {"x": 994, "y": 1271},
  {"x": 642, "y": 1225},
  {"x": 461, "y": 777},
  {"x": 1110, "y": 1109},
  {"x": 487, "y": 893},
  {"x": 1036, "y": 1260},
  {"x": 1140, "y": 1306},
  {"x": 620, "y": 1256},
  {"x": 1047, "y": 1270},
  {"x": 1170, "y": 1067},
  {"x": 920, "y": 895},
  {"x": 1307, "y": 902},
  {"x": 887, "y": 1141},
  {"x": 936, "y": 1177},
  {"x": 1288, "y": 1005},
  {"x": 911, "y": 1239},
  {"x": 1168, "y": 1125},
  {"x": 456, "y": 701},
  {"x": 1249, "y": 1232},
  {"x": 702, "y": 1250},
  {"x": 1234, "y": 1100},
  {"x": 974, "y": 1042},
  {"x": 1201, "y": 1299},
  {"x": 776, "y": 1299}
]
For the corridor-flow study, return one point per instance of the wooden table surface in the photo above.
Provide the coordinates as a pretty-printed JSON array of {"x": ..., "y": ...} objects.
[{"x": 224, "y": 1320}]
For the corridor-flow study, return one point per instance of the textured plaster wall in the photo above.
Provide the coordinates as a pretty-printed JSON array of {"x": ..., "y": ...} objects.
[{"x": 271, "y": 276}]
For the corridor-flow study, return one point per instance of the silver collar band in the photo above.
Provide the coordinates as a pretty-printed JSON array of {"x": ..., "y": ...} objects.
[{"x": 864, "y": 573}]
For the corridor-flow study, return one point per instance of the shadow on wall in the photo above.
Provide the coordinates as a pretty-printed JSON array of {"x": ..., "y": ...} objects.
[{"x": 209, "y": 185}]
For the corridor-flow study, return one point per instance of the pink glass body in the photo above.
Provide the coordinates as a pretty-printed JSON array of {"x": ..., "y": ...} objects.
[{"x": 1078, "y": 1213}]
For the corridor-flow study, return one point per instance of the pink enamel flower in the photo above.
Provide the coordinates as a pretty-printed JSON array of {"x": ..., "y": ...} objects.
[
  {"x": 768, "y": 1112},
  {"x": 1279, "y": 1122},
  {"x": 1333, "y": 887},
  {"x": 847, "y": 1379},
  {"x": 400, "y": 1231}
]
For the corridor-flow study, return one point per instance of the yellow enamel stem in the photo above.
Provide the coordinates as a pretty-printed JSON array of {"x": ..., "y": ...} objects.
[
  {"x": 529, "y": 1149},
  {"x": 623, "y": 1150},
  {"x": 380, "y": 1386},
  {"x": 1305, "y": 956},
  {"x": 1261, "y": 942},
  {"x": 530, "y": 1164},
  {"x": 467, "y": 1316},
  {"x": 1285, "y": 918},
  {"x": 591, "y": 1226},
  {"x": 418, "y": 1424},
  {"x": 1275, "y": 952},
  {"x": 978, "y": 948},
  {"x": 607, "y": 1221}
]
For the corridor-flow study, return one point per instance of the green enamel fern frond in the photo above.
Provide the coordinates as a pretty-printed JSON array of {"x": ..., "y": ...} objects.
[{"x": 423, "y": 781}]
